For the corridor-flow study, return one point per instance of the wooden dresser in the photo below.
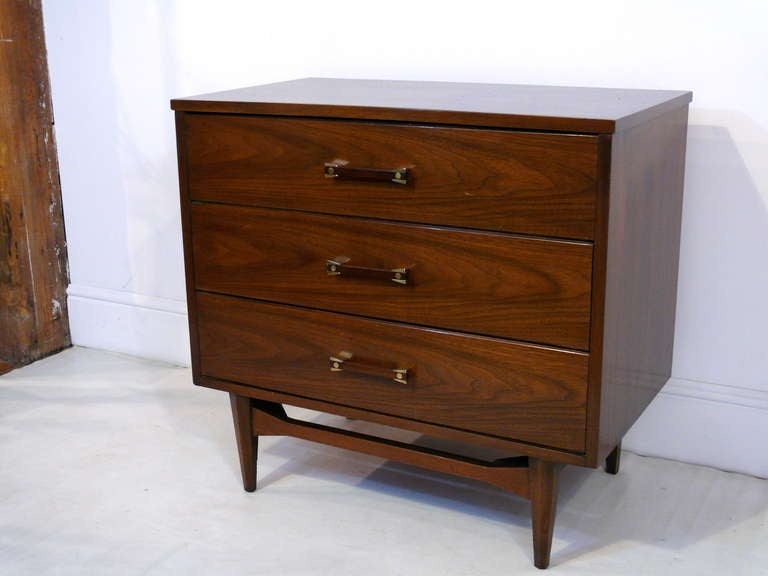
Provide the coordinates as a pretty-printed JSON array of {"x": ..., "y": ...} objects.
[{"x": 490, "y": 264}]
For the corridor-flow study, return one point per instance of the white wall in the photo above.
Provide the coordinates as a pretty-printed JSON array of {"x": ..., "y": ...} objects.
[{"x": 114, "y": 66}]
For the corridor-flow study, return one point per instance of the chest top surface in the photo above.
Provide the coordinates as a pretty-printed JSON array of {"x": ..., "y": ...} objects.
[{"x": 557, "y": 108}]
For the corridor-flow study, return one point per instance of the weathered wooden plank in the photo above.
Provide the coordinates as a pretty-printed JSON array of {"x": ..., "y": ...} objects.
[{"x": 33, "y": 256}]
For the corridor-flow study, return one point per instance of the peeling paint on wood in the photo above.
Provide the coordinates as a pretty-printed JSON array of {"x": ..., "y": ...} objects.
[{"x": 55, "y": 309}]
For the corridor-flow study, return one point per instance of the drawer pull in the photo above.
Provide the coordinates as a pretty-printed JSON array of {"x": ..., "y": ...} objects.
[
  {"x": 343, "y": 172},
  {"x": 346, "y": 361},
  {"x": 339, "y": 266}
]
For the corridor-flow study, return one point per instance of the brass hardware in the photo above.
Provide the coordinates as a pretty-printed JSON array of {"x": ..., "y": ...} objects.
[
  {"x": 401, "y": 176},
  {"x": 333, "y": 267},
  {"x": 400, "y": 275},
  {"x": 339, "y": 266},
  {"x": 339, "y": 169},
  {"x": 338, "y": 363}
]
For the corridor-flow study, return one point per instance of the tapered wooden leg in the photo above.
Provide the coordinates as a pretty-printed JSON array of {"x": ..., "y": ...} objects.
[
  {"x": 543, "y": 486},
  {"x": 247, "y": 443},
  {"x": 613, "y": 460}
]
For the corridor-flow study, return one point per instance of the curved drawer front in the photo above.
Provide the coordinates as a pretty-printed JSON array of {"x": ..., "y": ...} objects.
[
  {"x": 521, "y": 392},
  {"x": 519, "y": 182},
  {"x": 492, "y": 284}
]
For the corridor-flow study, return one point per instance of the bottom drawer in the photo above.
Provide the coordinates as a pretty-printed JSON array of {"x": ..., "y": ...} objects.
[{"x": 507, "y": 389}]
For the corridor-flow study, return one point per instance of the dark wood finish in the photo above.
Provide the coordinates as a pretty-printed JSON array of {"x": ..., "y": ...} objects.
[
  {"x": 557, "y": 108},
  {"x": 611, "y": 179},
  {"x": 484, "y": 385},
  {"x": 613, "y": 461},
  {"x": 33, "y": 254},
  {"x": 186, "y": 226},
  {"x": 511, "y": 474},
  {"x": 598, "y": 296},
  {"x": 543, "y": 494},
  {"x": 489, "y": 179},
  {"x": 247, "y": 443},
  {"x": 529, "y": 478},
  {"x": 5, "y": 367},
  {"x": 523, "y": 288},
  {"x": 503, "y": 444},
  {"x": 643, "y": 243}
]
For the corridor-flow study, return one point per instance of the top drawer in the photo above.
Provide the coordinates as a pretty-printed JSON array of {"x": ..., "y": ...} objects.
[{"x": 522, "y": 182}]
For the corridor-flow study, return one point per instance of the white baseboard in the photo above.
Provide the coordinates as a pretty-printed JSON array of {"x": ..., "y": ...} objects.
[
  {"x": 705, "y": 423},
  {"x": 698, "y": 422},
  {"x": 130, "y": 323}
]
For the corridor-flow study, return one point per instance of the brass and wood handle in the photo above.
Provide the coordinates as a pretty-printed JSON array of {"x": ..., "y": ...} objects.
[
  {"x": 344, "y": 172},
  {"x": 346, "y": 361},
  {"x": 339, "y": 266}
]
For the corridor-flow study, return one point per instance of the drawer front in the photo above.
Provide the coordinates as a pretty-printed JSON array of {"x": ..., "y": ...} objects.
[
  {"x": 493, "y": 284},
  {"x": 528, "y": 183},
  {"x": 521, "y": 392}
]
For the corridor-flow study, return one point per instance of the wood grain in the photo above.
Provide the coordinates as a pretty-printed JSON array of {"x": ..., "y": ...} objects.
[
  {"x": 33, "y": 254},
  {"x": 561, "y": 108},
  {"x": 642, "y": 239},
  {"x": 464, "y": 225},
  {"x": 543, "y": 494},
  {"x": 426, "y": 428},
  {"x": 597, "y": 318},
  {"x": 541, "y": 184},
  {"x": 521, "y": 288},
  {"x": 186, "y": 227},
  {"x": 528, "y": 393},
  {"x": 511, "y": 475},
  {"x": 247, "y": 443}
]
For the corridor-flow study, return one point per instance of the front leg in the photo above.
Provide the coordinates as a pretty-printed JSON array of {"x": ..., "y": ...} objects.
[
  {"x": 543, "y": 491},
  {"x": 613, "y": 460},
  {"x": 247, "y": 443}
]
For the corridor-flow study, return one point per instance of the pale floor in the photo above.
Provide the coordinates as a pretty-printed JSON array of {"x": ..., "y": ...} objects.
[{"x": 111, "y": 465}]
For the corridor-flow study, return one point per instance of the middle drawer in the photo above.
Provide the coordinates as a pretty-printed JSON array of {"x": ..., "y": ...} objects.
[{"x": 514, "y": 287}]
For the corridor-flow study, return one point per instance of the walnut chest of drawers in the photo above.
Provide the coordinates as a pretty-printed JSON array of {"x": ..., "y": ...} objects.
[{"x": 490, "y": 264}]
